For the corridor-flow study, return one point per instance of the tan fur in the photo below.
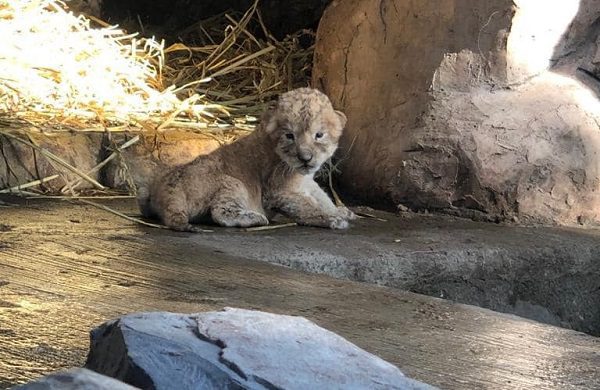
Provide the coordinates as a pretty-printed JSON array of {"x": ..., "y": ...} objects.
[{"x": 271, "y": 170}]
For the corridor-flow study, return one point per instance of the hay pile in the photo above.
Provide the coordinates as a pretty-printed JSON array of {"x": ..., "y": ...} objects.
[
  {"x": 65, "y": 73},
  {"x": 242, "y": 71},
  {"x": 58, "y": 72}
]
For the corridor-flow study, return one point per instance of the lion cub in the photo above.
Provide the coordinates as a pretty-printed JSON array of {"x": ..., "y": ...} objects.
[{"x": 271, "y": 170}]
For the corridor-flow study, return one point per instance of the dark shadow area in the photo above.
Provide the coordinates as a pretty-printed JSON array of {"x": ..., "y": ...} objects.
[{"x": 171, "y": 17}]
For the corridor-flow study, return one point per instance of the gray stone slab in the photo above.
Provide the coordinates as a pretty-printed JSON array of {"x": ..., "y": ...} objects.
[
  {"x": 550, "y": 275},
  {"x": 160, "y": 351},
  {"x": 293, "y": 353},
  {"x": 236, "y": 349}
]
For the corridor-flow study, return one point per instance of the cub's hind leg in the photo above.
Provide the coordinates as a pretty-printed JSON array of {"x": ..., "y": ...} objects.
[
  {"x": 176, "y": 217},
  {"x": 172, "y": 207},
  {"x": 233, "y": 206}
]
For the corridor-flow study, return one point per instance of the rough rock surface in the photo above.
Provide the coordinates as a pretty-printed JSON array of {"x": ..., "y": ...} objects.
[
  {"x": 142, "y": 161},
  {"x": 235, "y": 349},
  {"x": 484, "y": 107},
  {"x": 21, "y": 164},
  {"x": 65, "y": 276},
  {"x": 76, "y": 379}
]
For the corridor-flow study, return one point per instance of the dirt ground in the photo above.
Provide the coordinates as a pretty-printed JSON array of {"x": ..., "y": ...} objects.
[{"x": 66, "y": 268}]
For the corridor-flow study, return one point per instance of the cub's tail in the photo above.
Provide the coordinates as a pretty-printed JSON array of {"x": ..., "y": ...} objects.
[
  {"x": 144, "y": 185},
  {"x": 143, "y": 200}
]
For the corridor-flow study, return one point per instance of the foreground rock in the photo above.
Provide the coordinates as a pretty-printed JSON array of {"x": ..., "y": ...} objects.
[
  {"x": 235, "y": 349},
  {"x": 77, "y": 379}
]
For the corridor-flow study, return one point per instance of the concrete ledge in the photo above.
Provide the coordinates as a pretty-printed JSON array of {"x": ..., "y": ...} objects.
[{"x": 547, "y": 274}]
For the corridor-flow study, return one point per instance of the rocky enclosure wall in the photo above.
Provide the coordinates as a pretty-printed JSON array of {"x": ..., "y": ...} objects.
[{"x": 486, "y": 108}]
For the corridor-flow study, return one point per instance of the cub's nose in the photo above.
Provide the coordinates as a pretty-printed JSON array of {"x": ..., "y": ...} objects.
[{"x": 305, "y": 156}]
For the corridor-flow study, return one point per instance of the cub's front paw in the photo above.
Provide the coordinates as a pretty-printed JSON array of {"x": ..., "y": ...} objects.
[
  {"x": 338, "y": 223},
  {"x": 252, "y": 218},
  {"x": 346, "y": 213}
]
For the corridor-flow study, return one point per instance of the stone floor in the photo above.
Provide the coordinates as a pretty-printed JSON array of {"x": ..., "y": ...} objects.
[{"x": 66, "y": 268}]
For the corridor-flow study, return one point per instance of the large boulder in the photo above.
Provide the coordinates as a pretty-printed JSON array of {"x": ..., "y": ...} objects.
[
  {"x": 481, "y": 108},
  {"x": 235, "y": 349},
  {"x": 132, "y": 161}
]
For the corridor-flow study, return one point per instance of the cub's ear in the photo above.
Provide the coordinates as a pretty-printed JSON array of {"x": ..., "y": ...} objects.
[
  {"x": 268, "y": 120},
  {"x": 342, "y": 118}
]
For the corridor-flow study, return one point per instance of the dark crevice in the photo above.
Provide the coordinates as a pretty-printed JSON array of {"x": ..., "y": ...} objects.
[
  {"x": 168, "y": 18},
  {"x": 221, "y": 344},
  {"x": 266, "y": 383},
  {"x": 232, "y": 366}
]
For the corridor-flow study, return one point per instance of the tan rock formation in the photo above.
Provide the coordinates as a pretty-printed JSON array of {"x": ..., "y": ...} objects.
[{"x": 477, "y": 107}]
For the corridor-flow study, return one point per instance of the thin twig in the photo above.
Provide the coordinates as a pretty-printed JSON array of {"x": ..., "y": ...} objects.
[
  {"x": 29, "y": 185},
  {"x": 332, "y": 168},
  {"x": 371, "y": 216},
  {"x": 76, "y": 197},
  {"x": 132, "y": 219},
  {"x": 270, "y": 227},
  {"x": 55, "y": 158}
]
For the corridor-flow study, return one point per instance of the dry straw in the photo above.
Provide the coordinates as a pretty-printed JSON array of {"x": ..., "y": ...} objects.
[
  {"x": 61, "y": 72},
  {"x": 58, "y": 72}
]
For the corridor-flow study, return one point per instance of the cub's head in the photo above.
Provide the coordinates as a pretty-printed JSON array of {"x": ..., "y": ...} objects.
[{"x": 305, "y": 128}]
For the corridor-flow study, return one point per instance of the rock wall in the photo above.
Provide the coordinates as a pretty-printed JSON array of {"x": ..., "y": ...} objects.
[
  {"x": 480, "y": 108},
  {"x": 21, "y": 164}
]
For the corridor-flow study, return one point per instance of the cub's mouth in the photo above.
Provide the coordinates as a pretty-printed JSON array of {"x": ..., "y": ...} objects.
[
  {"x": 302, "y": 167},
  {"x": 306, "y": 168}
]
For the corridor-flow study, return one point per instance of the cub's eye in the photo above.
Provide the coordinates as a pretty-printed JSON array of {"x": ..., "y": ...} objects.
[
  {"x": 319, "y": 135},
  {"x": 289, "y": 136}
]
